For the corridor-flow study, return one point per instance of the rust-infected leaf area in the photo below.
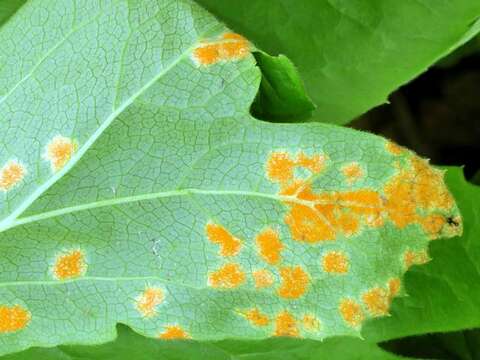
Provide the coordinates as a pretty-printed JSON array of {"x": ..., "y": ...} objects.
[
  {"x": 13, "y": 318},
  {"x": 59, "y": 151},
  {"x": 416, "y": 194},
  {"x": 229, "y": 276},
  {"x": 229, "y": 244},
  {"x": 227, "y": 47},
  {"x": 286, "y": 325}
]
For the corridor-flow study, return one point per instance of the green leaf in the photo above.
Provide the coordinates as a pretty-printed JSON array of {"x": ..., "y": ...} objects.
[
  {"x": 129, "y": 345},
  {"x": 8, "y": 8},
  {"x": 282, "y": 94},
  {"x": 138, "y": 189},
  {"x": 443, "y": 295},
  {"x": 353, "y": 54}
]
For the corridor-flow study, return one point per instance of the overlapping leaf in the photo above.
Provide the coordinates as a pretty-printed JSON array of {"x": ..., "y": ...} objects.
[{"x": 138, "y": 189}]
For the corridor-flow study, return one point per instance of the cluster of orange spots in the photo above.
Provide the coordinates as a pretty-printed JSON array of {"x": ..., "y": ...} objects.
[
  {"x": 419, "y": 188},
  {"x": 230, "y": 46},
  {"x": 174, "y": 332},
  {"x": 352, "y": 172},
  {"x": 331, "y": 213},
  {"x": 13, "y": 318},
  {"x": 59, "y": 150},
  {"x": 280, "y": 166},
  {"x": 294, "y": 282},
  {"x": 262, "y": 278},
  {"x": 351, "y": 312},
  {"x": 229, "y": 276},
  {"x": 70, "y": 265},
  {"x": 335, "y": 262},
  {"x": 217, "y": 234},
  {"x": 11, "y": 174},
  {"x": 257, "y": 318},
  {"x": 311, "y": 323},
  {"x": 315, "y": 217},
  {"x": 415, "y": 258},
  {"x": 148, "y": 301},
  {"x": 377, "y": 301},
  {"x": 286, "y": 325},
  {"x": 269, "y": 245}
]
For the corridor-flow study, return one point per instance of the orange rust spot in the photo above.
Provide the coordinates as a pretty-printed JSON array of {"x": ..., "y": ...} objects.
[
  {"x": 269, "y": 246},
  {"x": 307, "y": 225},
  {"x": 294, "y": 282},
  {"x": 228, "y": 276},
  {"x": 335, "y": 262},
  {"x": 11, "y": 174},
  {"x": 174, "y": 332},
  {"x": 311, "y": 323},
  {"x": 13, "y": 318},
  {"x": 351, "y": 312},
  {"x": 262, "y": 278},
  {"x": 393, "y": 287},
  {"x": 280, "y": 167},
  {"x": 393, "y": 148},
  {"x": 314, "y": 163},
  {"x": 229, "y": 47},
  {"x": 377, "y": 301},
  {"x": 415, "y": 258},
  {"x": 148, "y": 301},
  {"x": 352, "y": 172},
  {"x": 217, "y": 234},
  {"x": 59, "y": 150},
  {"x": 433, "y": 224},
  {"x": 257, "y": 318},
  {"x": 70, "y": 265},
  {"x": 286, "y": 325}
]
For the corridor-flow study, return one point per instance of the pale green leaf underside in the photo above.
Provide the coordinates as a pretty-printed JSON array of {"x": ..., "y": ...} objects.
[{"x": 165, "y": 146}]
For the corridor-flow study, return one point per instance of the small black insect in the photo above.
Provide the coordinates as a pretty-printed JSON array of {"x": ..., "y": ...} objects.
[{"x": 452, "y": 222}]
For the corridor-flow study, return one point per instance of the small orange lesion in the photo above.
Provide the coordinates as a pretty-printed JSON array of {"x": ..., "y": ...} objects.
[
  {"x": 351, "y": 312},
  {"x": 411, "y": 258},
  {"x": 269, "y": 245},
  {"x": 229, "y": 46},
  {"x": 315, "y": 163},
  {"x": 256, "y": 317},
  {"x": 352, "y": 172},
  {"x": 394, "y": 285},
  {"x": 311, "y": 323},
  {"x": 433, "y": 224},
  {"x": 280, "y": 167},
  {"x": 377, "y": 301},
  {"x": 286, "y": 325},
  {"x": 59, "y": 151},
  {"x": 394, "y": 148},
  {"x": 229, "y": 244},
  {"x": 13, "y": 318},
  {"x": 229, "y": 276},
  {"x": 148, "y": 301},
  {"x": 174, "y": 332},
  {"x": 294, "y": 282},
  {"x": 69, "y": 265},
  {"x": 307, "y": 224},
  {"x": 262, "y": 278},
  {"x": 335, "y": 262},
  {"x": 11, "y": 174}
]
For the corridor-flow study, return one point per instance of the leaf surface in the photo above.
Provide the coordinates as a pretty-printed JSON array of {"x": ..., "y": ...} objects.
[
  {"x": 353, "y": 54},
  {"x": 138, "y": 189}
]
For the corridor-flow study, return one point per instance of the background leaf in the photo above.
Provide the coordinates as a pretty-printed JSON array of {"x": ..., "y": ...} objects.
[
  {"x": 8, "y": 8},
  {"x": 353, "y": 54}
]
